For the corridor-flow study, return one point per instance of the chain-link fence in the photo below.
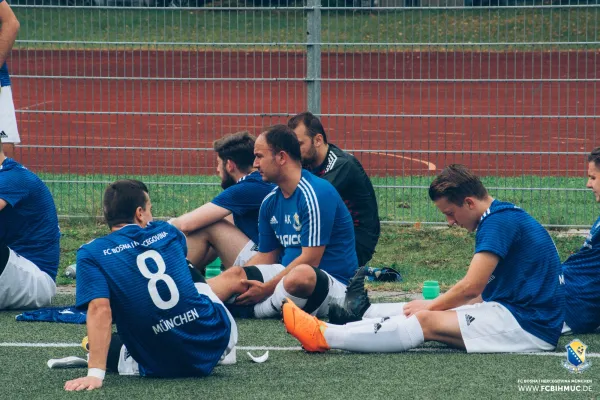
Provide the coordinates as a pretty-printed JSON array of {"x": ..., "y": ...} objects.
[{"x": 408, "y": 86}]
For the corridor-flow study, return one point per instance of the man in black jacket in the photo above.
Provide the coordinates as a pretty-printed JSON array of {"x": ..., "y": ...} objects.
[{"x": 346, "y": 174}]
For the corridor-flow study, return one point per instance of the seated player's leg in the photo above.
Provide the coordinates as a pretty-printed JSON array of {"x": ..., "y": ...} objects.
[
  {"x": 373, "y": 335},
  {"x": 210, "y": 256},
  {"x": 8, "y": 122},
  {"x": 489, "y": 327},
  {"x": 249, "y": 251},
  {"x": 480, "y": 328},
  {"x": 312, "y": 289},
  {"x": 356, "y": 304},
  {"x": 204, "y": 288},
  {"x": 298, "y": 285},
  {"x": 364, "y": 254},
  {"x": 260, "y": 273},
  {"x": 223, "y": 236},
  {"x": 328, "y": 291},
  {"x": 119, "y": 360},
  {"x": 228, "y": 284},
  {"x": 22, "y": 284}
]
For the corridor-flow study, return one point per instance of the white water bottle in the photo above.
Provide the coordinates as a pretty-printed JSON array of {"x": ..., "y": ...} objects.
[{"x": 71, "y": 271}]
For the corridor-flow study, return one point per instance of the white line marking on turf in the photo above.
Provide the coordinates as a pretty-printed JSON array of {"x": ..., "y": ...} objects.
[
  {"x": 430, "y": 166},
  {"x": 297, "y": 348},
  {"x": 257, "y": 348},
  {"x": 40, "y": 344}
]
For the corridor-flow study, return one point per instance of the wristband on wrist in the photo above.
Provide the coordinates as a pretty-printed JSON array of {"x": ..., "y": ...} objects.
[{"x": 97, "y": 372}]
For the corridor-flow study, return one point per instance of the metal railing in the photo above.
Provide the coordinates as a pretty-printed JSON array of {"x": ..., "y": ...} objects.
[{"x": 121, "y": 90}]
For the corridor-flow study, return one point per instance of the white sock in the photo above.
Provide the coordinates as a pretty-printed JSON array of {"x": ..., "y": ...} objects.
[
  {"x": 271, "y": 306},
  {"x": 333, "y": 333},
  {"x": 388, "y": 335},
  {"x": 381, "y": 310}
]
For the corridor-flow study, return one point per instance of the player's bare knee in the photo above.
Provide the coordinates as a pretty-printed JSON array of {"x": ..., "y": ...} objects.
[
  {"x": 300, "y": 281},
  {"x": 427, "y": 322},
  {"x": 230, "y": 279},
  {"x": 234, "y": 273}
]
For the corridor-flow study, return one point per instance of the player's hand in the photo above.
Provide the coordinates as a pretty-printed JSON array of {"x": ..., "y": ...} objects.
[
  {"x": 85, "y": 383},
  {"x": 257, "y": 292},
  {"x": 415, "y": 306}
]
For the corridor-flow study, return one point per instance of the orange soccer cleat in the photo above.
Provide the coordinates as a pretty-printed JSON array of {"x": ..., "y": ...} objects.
[{"x": 304, "y": 327}]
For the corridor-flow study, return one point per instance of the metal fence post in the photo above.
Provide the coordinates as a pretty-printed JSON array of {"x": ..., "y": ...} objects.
[{"x": 313, "y": 56}]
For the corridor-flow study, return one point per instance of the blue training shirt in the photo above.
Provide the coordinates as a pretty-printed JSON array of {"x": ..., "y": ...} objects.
[
  {"x": 4, "y": 77},
  {"x": 582, "y": 284},
  {"x": 243, "y": 200},
  {"x": 527, "y": 279},
  {"x": 168, "y": 327},
  {"x": 314, "y": 215},
  {"x": 28, "y": 222}
]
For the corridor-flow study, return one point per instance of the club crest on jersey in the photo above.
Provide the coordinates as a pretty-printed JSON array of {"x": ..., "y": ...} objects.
[
  {"x": 575, "y": 361},
  {"x": 297, "y": 225}
]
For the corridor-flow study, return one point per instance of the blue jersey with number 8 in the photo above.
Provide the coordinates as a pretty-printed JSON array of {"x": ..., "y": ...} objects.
[{"x": 167, "y": 326}]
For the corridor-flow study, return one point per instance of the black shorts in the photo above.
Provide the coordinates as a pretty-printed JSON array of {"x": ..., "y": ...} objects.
[{"x": 364, "y": 254}]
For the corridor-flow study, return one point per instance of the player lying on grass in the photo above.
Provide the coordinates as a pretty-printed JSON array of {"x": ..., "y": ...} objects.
[
  {"x": 170, "y": 324},
  {"x": 305, "y": 224},
  {"x": 209, "y": 228},
  {"x": 29, "y": 238},
  {"x": 510, "y": 300},
  {"x": 582, "y": 269}
]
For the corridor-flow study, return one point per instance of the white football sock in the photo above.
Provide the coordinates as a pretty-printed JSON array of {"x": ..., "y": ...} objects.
[
  {"x": 271, "y": 306},
  {"x": 387, "y": 335},
  {"x": 380, "y": 310}
]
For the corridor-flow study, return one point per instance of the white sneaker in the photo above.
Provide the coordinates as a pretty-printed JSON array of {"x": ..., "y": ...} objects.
[
  {"x": 229, "y": 359},
  {"x": 71, "y": 271},
  {"x": 67, "y": 362}
]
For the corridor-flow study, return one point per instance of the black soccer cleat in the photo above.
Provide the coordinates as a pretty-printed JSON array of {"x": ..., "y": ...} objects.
[{"x": 356, "y": 301}]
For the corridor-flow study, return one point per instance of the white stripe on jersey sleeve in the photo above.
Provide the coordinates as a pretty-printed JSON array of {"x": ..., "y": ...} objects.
[
  {"x": 311, "y": 218},
  {"x": 271, "y": 193},
  {"x": 315, "y": 222},
  {"x": 310, "y": 227},
  {"x": 318, "y": 212},
  {"x": 266, "y": 197}
]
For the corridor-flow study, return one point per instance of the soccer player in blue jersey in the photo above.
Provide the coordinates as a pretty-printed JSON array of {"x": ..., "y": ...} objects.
[
  {"x": 169, "y": 322},
  {"x": 9, "y": 26},
  {"x": 582, "y": 269},
  {"x": 29, "y": 238},
  {"x": 510, "y": 300},
  {"x": 305, "y": 224},
  {"x": 209, "y": 228}
]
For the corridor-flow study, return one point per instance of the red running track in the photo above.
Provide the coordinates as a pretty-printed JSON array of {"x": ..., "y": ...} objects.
[{"x": 148, "y": 112}]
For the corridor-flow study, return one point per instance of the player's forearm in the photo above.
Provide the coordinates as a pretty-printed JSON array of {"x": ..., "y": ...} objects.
[
  {"x": 200, "y": 218},
  {"x": 190, "y": 222},
  {"x": 8, "y": 33},
  {"x": 460, "y": 294},
  {"x": 99, "y": 327}
]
